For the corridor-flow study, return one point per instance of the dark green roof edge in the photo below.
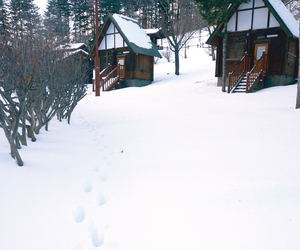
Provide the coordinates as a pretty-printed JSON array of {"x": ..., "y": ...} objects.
[
  {"x": 278, "y": 18},
  {"x": 209, "y": 40},
  {"x": 133, "y": 47}
]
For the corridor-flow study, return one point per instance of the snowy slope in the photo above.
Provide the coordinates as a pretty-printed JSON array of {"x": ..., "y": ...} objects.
[{"x": 174, "y": 165}]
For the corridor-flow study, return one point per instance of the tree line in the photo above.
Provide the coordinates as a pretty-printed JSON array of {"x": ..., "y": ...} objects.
[{"x": 74, "y": 20}]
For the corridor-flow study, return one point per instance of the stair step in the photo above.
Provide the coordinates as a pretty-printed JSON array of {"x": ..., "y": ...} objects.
[{"x": 240, "y": 90}]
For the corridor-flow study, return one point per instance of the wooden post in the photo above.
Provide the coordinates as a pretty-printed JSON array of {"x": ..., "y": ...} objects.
[
  {"x": 246, "y": 62},
  {"x": 229, "y": 85},
  {"x": 97, "y": 59},
  {"x": 247, "y": 83}
]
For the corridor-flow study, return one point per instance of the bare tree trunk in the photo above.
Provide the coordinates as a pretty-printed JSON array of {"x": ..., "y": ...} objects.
[
  {"x": 298, "y": 87},
  {"x": 224, "y": 59},
  {"x": 14, "y": 151},
  {"x": 176, "y": 61}
]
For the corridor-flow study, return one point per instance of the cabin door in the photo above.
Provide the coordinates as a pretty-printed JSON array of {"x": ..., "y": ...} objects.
[
  {"x": 121, "y": 63},
  {"x": 260, "y": 48}
]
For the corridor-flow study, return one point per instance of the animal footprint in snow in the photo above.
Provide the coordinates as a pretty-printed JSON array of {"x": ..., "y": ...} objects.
[
  {"x": 103, "y": 177},
  {"x": 87, "y": 186},
  {"x": 79, "y": 214},
  {"x": 95, "y": 168},
  {"x": 97, "y": 239},
  {"x": 101, "y": 199}
]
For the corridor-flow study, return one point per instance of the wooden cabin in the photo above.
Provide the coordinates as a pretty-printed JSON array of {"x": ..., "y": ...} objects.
[
  {"x": 155, "y": 35},
  {"x": 262, "y": 46},
  {"x": 126, "y": 54},
  {"x": 77, "y": 51}
]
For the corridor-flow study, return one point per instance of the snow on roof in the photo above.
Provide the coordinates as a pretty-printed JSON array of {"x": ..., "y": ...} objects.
[
  {"x": 286, "y": 16},
  {"x": 71, "y": 46},
  {"x": 151, "y": 31},
  {"x": 70, "y": 53},
  {"x": 132, "y": 30}
]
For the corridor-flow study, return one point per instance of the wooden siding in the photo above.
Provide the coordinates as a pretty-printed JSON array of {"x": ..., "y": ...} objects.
[
  {"x": 290, "y": 57},
  {"x": 143, "y": 67},
  {"x": 137, "y": 66},
  {"x": 275, "y": 38}
]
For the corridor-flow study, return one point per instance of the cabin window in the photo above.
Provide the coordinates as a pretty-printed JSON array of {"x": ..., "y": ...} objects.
[
  {"x": 110, "y": 43},
  {"x": 244, "y": 20},
  {"x": 252, "y": 15},
  {"x": 119, "y": 41},
  {"x": 231, "y": 23},
  {"x": 258, "y": 3},
  {"x": 111, "y": 29},
  {"x": 236, "y": 50},
  {"x": 260, "y": 19},
  {"x": 273, "y": 22},
  {"x": 112, "y": 39}
]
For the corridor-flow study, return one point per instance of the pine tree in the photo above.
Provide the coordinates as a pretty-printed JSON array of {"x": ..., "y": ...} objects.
[
  {"x": 83, "y": 19},
  {"x": 3, "y": 17},
  {"x": 25, "y": 18},
  {"x": 57, "y": 19}
]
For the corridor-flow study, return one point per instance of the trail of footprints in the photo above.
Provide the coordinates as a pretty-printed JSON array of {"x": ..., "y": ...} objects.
[{"x": 80, "y": 214}]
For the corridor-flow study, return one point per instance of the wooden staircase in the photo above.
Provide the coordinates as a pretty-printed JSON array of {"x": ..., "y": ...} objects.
[
  {"x": 110, "y": 78},
  {"x": 241, "y": 80},
  {"x": 241, "y": 86}
]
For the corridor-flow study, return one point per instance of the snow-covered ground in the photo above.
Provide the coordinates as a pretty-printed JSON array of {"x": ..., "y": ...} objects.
[{"x": 174, "y": 165}]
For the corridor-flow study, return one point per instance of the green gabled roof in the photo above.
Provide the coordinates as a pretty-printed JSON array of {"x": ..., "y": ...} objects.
[
  {"x": 133, "y": 34},
  {"x": 217, "y": 30},
  {"x": 283, "y": 16}
]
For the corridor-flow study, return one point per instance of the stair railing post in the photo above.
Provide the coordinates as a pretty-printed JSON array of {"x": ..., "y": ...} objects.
[
  {"x": 229, "y": 82},
  {"x": 247, "y": 82},
  {"x": 263, "y": 61},
  {"x": 245, "y": 61}
]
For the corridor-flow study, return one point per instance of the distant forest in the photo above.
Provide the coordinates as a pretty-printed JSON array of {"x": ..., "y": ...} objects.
[{"x": 74, "y": 20}]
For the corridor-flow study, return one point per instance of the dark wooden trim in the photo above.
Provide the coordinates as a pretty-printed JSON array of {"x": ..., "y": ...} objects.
[{"x": 236, "y": 20}]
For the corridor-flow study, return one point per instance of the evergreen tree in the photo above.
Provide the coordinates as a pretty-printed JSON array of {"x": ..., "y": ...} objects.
[
  {"x": 106, "y": 7},
  {"x": 83, "y": 19},
  {"x": 3, "y": 17},
  {"x": 57, "y": 19},
  {"x": 25, "y": 17}
]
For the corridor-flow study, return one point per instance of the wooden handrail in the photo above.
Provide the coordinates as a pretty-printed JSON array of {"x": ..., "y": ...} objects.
[
  {"x": 238, "y": 72},
  {"x": 257, "y": 72},
  {"x": 103, "y": 75},
  {"x": 110, "y": 78}
]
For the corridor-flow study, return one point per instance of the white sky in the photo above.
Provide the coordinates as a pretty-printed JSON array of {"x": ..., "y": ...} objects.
[{"x": 41, "y": 4}]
